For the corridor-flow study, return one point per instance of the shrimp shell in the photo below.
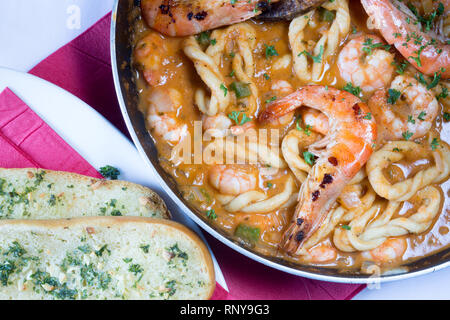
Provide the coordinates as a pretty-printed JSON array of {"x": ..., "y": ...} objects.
[{"x": 345, "y": 150}]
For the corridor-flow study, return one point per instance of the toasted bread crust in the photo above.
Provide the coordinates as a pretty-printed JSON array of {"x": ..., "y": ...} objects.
[
  {"x": 155, "y": 202},
  {"x": 110, "y": 222}
]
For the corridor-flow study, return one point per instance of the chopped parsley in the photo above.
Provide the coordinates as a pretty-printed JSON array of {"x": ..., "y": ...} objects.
[
  {"x": 443, "y": 94},
  {"x": 368, "y": 116},
  {"x": 435, "y": 81},
  {"x": 369, "y": 46},
  {"x": 204, "y": 38},
  {"x": 270, "y": 51},
  {"x": 175, "y": 250},
  {"x": 421, "y": 116},
  {"x": 271, "y": 100},
  {"x": 234, "y": 115},
  {"x": 316, "y": 59},
  {"x": 309, "y": 158},
  {"x": 417, "y": 59},
  {"x": 211, "y": 214},
  {"x": 145, "y": 248},
  {"x": 326, "y": 15},
  {"x": 434, "y": 144},
  {"x": 15, "y": 250},
  {"x": 100, "y": 252},
  {"x": 52, "y": 200},
  {"x": 170, "y": 285},
  {"x": 109, "y": 172},
  {"x": 135, "y": 268},
  {"x": 116, "y": 213},
  {"x": 393, "y": 96},
  {"x": 400, "y": 67},
  {"x": 356, "y": 91},
  {"x": 446, "y": 116},
  {"x": 427, "y": 21},
  {"x": 224, "y": 89},
  {"x": 307, "y": 130},
  {"x": 407, "y": 135}
]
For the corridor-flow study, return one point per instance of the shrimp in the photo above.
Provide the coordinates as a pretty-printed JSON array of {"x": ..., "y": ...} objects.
[
  {"x": 282, "y": 88},
  {"x": 220, "y": 126},
  {"x": 162, "y": 114},
  {"x": 321, "y": 253},
  {"x": 347, "y": 147},
  {"x": 231, "y": 180},
  {"x": 178, "y": 18},
  {"x": 216, "y": 126},
  {"x": 389, "y": 251},
  {"x": 365, "y": 63},
  {"x": 317, "y": 121},
  {"x": 420, "y": 104},
  {"x": 425, "y": 51},
  {"x": 149, "y": 54}
]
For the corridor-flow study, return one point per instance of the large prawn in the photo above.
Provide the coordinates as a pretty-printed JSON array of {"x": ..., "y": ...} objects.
[
  {"x": 189, "y": 17},
  {"x": 341, "y": 154},
  {"x": 424, "y": 51}
]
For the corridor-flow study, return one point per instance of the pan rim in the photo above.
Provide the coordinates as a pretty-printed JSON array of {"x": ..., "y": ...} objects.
[{"x": 354, "y": 279}]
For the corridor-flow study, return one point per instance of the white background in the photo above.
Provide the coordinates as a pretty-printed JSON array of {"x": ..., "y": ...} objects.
[{"x": 30, "y": 30}]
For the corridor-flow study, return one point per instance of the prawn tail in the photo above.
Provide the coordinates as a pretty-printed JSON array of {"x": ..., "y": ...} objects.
[{"x": 282, "y": 107}]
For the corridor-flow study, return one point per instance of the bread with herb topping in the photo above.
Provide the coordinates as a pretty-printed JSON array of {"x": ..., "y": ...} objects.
[
  {"x": 103, "y": 258},
  {"x": 45, "y": 194}
]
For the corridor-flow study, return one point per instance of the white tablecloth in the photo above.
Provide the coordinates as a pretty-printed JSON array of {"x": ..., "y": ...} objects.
[{"x": 30, "y": 30}]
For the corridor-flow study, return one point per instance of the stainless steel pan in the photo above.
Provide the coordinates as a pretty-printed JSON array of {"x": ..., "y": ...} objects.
[{"x": 124, "y": 78}]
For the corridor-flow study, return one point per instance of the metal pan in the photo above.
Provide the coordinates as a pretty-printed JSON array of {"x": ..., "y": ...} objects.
[{"x": 124, "y": 78}]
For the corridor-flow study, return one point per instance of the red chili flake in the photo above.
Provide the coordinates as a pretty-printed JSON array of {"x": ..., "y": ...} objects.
[
  {"x": 90, "y": 230},
  {"x": 357, "y": 109},
  {"x": 333, "y": 161},
  {"x": 315, "y": 195}
]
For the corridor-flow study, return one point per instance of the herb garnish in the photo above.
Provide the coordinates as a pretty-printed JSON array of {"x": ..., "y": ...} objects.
[
  {"x": 109, "y": 172},
  {"x": 309, "y": 158},
  {"x": 393, "y": 96},
  {"x": 370, "y": 46},
  {"x": 234, "y": 115},
  {"x": 270, "y": 51},
  {"x": 211, "y": 214},
  {"x": 352, "y": 89},
  {"x": 316, "y": 59}
]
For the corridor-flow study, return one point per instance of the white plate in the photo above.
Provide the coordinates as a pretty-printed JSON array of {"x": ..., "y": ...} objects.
[{"x": 91, "y": 135}]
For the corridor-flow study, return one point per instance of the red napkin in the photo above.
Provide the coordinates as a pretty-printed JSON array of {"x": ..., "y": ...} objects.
[
  {"x": 83, "y": 68},
  {"x": 26, "y": 141}
]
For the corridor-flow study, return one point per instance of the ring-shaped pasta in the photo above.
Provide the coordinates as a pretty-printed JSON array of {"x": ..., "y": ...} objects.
[{"x": 402, "y": 191}]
